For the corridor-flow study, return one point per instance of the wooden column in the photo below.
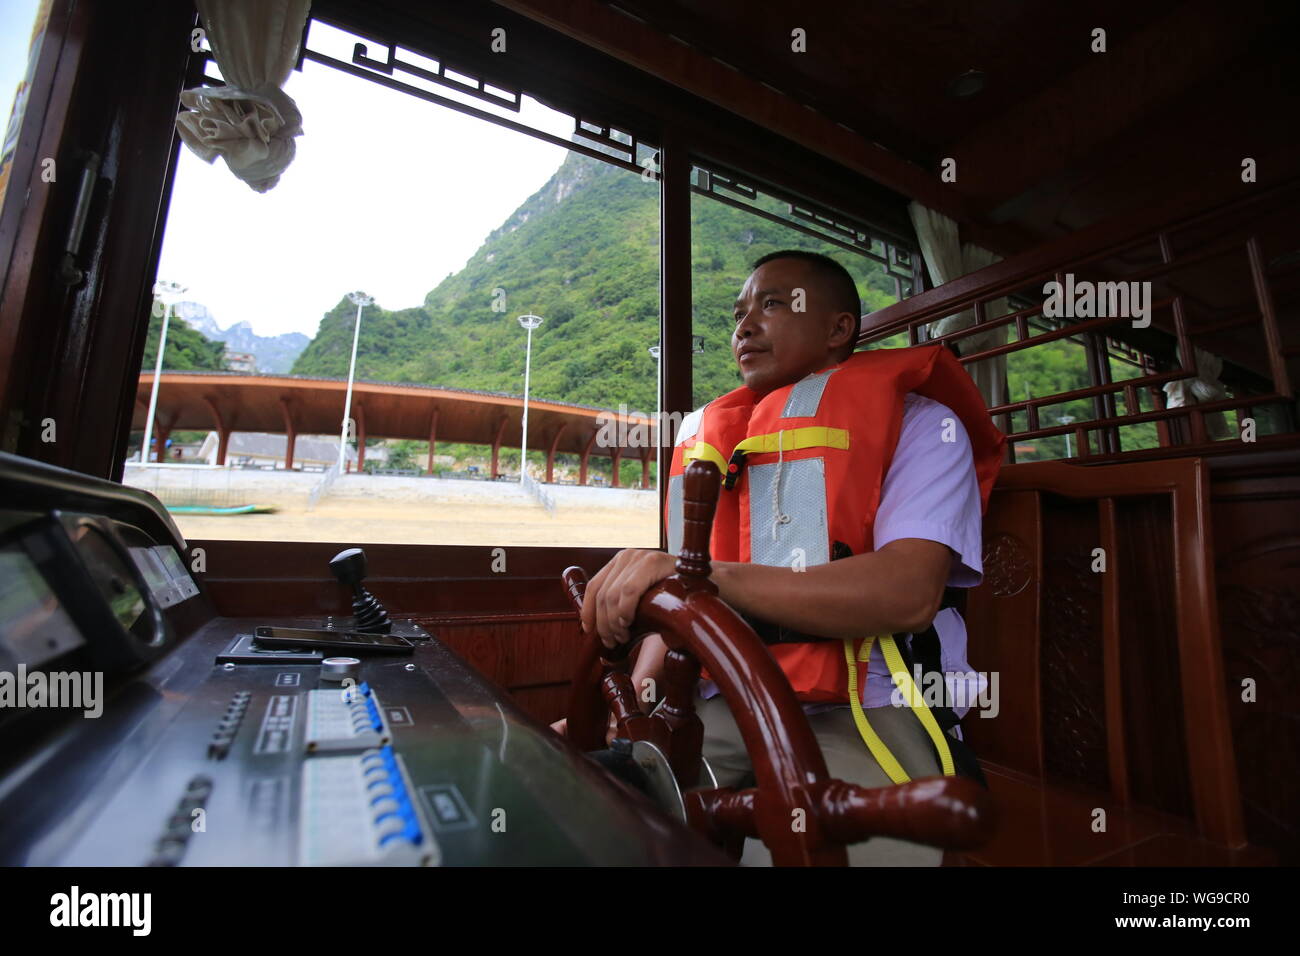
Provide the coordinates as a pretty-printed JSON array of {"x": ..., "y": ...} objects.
[
  {"x": 496, "y": 445},
  {"x": 616, "y": 458},
  {"x": 433, "y": 438},
  {"x": 166, "y": 433},
  {"x": 359, "y": 414},
  {"x": 290, "y": 432},
  {"x": 586, "y": 453},
  {"x": 161, "y": 434},
  {"x": 550, "y": 454},
  {"x": 645, "y": 468},
  {"x": 223, "y": 433},
  {"x": 675, "y": 367},
  {"x": 108, "y": 82}
]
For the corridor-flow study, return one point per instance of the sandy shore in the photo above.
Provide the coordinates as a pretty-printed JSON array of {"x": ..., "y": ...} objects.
[{"x": 386, "y": 522}]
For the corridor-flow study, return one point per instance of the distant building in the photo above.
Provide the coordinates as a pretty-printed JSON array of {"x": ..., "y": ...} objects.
[
  {"x": 257, "y": 448},
  {"x": 240, "y": 361},
  {"x": 184, "y": 451}
]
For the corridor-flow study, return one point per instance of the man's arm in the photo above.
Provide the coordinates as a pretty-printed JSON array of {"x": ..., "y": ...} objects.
[
  {"x": 926, "y": 535},
  {"x": 898, "y": 588}
]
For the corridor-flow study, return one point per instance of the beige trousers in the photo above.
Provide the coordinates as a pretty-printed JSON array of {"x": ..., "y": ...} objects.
[{"x": 847, "y": 758}]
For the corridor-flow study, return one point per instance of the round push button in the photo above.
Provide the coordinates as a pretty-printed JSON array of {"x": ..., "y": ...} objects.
[{"x": 340, "y": 668}]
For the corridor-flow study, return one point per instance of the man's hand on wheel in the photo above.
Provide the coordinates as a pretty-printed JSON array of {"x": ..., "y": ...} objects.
[
  {"x": 561, "y": 727},
  {"x": 613, "y": 594}
]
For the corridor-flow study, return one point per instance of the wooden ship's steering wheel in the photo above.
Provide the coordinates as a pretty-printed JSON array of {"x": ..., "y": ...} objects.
[{"x": 792, "y": 780}]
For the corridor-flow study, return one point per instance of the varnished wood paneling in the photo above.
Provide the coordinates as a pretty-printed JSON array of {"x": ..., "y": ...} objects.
[
  {"x": 1002, "y": 625},
  {"x": 1176, "y": 753},
  {"x": 1256, "y": 508},
  {"x": 518, "y": 655},
  {"x": 1047, "y": 826},
  {"x": 286, "y": 579},
  {"x": 1073, "y": 681},
  {"x": 544, "y": 704},
  {"x": 77, "y": 348},
  {"x": 1154, "y": 732}
]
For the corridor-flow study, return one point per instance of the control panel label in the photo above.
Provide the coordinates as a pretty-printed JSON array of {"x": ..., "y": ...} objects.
[
  {"x": 447, "y": 808},
  {"x": 276, "y": 731},
  {"x": 266, "y": 802}
]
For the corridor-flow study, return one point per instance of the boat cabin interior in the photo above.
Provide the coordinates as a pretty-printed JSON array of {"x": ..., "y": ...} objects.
[{"x": 1091, "y": 208}]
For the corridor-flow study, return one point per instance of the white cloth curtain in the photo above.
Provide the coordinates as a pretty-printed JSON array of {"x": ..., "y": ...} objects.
[
  {"x": 946, "y": 258},
  {"x": 250, "y": 122},
  {"x": 1205, "y": 387}
]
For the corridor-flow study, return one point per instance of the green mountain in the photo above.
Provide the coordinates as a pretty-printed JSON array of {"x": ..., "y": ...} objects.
[
  {"x": 187, "y": 349},
  {"x": 582, "y": 252}
]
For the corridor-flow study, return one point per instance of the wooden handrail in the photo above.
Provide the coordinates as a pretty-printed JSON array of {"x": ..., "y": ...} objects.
[{"x": 1080, "y": 248}]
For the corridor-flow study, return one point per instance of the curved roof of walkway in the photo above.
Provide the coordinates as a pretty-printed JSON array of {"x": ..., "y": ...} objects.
[{"x": 242, "y": 402}]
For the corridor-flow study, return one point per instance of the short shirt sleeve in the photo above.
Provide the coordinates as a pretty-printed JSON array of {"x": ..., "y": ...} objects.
[{"x": 931, "y": 490}]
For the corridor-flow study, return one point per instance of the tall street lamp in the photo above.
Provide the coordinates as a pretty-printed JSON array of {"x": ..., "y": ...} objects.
[
  {"x": 529, "y": 322},
  {"x": 170, "y": 293},
  {"x": 360, "y": 300},
  {"x": 697, "y": 346},
  {"x": 1065, "y": 420},
  {"x": 654, "y": 354}
]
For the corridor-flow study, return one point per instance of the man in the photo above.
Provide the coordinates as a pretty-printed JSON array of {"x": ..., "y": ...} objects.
[{"x": 876, "y": 520}]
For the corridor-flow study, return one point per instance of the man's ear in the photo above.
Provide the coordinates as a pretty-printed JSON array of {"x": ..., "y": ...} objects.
[{"x": 842, "y": 331}]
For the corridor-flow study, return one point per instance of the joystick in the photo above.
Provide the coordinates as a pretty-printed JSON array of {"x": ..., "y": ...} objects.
[{"x": 369, "y": 616}]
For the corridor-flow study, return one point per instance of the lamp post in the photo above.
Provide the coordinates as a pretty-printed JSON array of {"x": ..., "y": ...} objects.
[
  {"x": 360, "y": 300},
  {"x": 528, "y": 322},
  {"x": 170, "y": 293},
  {"x": 697, "y": 346},
  {"x": 659, "y": 401},
  {"x": 1065, "y": 420}
]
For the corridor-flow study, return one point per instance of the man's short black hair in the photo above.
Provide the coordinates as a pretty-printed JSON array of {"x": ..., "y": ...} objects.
[{"x": 839, "y": 284}]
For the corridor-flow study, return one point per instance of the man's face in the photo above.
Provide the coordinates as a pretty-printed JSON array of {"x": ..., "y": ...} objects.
[{"x": 775, "y": 345}]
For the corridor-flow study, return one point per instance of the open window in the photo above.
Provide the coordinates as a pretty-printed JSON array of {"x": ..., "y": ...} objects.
[{"x": 508, "y": 254}]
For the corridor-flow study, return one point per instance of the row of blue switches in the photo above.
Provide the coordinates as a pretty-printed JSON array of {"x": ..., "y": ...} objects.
[{"x": 386, "y": 786}]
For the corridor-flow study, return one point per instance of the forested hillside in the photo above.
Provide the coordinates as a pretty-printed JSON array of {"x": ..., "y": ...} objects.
[
  {"x": 583, "y": 252},
  {"x": 187, "y": 348}
]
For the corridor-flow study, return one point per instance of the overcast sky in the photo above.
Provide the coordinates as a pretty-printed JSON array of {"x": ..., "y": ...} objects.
[
  {"x": 16, "y": 19},
  {"x": 388, "y": 194}
]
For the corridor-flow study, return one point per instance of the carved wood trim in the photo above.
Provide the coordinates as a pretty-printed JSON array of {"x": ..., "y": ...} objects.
[{"x": 1211, "y": 757}]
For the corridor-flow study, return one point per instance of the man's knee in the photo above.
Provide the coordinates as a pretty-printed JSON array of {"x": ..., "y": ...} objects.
[
  {"x": 847, "y": 758},
  {"x": 723, "y": 747}
]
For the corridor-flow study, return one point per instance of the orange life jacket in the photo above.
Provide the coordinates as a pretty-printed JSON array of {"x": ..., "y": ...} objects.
[{"x": 837, "y": 430}]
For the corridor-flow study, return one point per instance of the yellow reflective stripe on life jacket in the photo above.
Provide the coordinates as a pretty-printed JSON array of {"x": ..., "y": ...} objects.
[
  {"x": 877, "y": 746},
  {"x": 894, "y": 660},
  {"x": 702, "y": 449},
  {"x": 792, "y": 439},
  {"x": 903, "y": 680}
]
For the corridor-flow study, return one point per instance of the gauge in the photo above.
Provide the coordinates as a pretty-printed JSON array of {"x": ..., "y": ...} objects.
[
  {"x": 111, "y": 575},
  {"x": 34, "y": 628}
]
